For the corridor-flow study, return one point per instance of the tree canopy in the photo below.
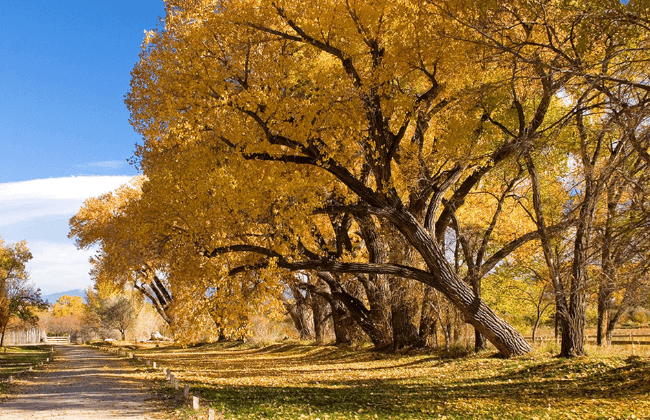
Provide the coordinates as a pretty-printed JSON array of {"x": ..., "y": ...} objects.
[{"x": 360, "y": 142}]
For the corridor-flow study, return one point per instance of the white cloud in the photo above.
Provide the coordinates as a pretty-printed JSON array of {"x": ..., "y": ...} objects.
[
  {"x": 107, "y": 164},
  {"x": 28, "y": 200},
  {"x": 38, "y": 211},
  {"x": 72, "y": 188},
  {"x": 57, "y": 267}
]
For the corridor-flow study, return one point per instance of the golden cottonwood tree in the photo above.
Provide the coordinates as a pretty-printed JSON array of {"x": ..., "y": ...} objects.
[
  {"x": 353, "y": 109},
  {"x": 128, "y": 255},
  {"x": 144, "y": 246}
]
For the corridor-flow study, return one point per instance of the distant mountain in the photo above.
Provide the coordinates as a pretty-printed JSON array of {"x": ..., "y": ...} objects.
[{"x": 54, "y": 297}]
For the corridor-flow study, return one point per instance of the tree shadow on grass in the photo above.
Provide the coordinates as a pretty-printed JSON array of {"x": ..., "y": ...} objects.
[{"x": 530, "y": 388}]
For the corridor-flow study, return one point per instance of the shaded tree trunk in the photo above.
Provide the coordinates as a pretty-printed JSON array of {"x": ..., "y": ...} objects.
[
  {"x": 2, "y": 337},
  {"x": 346, "y": 329},
  {"x": 301, "y": 313},
  {"x": 429, "y": 319},
  {"x": 405, "y": 310},
  {"x": 480, "y": 343},
  {"x": 321, "y": 314},
  {"x": 301, "y": 320},
  {"x": 377, "y": 288}
]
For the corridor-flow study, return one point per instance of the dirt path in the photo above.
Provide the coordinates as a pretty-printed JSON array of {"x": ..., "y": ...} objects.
[{"x": 80, "y": 384}]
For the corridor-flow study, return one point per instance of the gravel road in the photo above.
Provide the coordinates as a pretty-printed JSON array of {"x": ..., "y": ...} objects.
[{"x": 80, "y": 384}]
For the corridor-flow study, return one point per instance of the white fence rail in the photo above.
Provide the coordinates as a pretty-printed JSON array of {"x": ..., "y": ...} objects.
[
  {"x": 57, "y": 340},
  {"x": 617, "y": 339}
]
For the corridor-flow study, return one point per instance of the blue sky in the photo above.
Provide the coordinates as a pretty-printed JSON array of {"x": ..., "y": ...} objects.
[{"x": 64, "y": 70}]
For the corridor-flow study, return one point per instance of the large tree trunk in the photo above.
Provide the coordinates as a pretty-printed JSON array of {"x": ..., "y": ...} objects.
[
  {"x": 346, "y": 329},
  {"x": 573, "y": 337},
  {"x": 377, "y": 287},
  {"x": 301, "y": 320},
  {"x": 406, "y": 294},
  {"x": 405, "y": 309},
  {"x": 603, "y": 317},
  {"x": 376, "y": 323}
]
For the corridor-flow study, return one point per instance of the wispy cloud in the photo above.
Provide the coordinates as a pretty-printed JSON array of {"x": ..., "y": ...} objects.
[
  {"x": 38, "y": 211},
  {"x": 71, "y": 188},
  {"x": 115, "y": 164}
]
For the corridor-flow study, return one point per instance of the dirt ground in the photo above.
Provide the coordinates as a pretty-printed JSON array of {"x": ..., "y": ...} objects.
[{"x": 80, "y": 384}]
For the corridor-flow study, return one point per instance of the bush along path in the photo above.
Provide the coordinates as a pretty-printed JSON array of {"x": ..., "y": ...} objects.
[{"x": 80, "y": 383}]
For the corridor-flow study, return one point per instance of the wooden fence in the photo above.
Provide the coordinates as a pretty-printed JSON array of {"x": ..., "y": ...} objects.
[
  {"x": 23, "y": 336},
  {"x": 617, "y": 339}
]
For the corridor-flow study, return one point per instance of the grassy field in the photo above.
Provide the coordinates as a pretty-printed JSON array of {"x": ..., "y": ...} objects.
[
  {"x": 17, "y": 359},
  {"x": 294, "y": 381}
]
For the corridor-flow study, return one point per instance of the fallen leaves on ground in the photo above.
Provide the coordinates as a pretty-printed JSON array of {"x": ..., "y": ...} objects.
[{"x": 294, "y": 381}]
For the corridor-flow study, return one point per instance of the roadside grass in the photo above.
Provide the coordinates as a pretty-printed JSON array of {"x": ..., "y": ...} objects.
[
  {"x": 298, "y": 381},
  {"x": 19, "y": 358}
]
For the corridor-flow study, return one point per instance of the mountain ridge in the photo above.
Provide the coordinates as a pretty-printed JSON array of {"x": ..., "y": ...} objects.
[{"x": 52, "y": 298}]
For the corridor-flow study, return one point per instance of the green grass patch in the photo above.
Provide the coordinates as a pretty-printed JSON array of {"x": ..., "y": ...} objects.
[
  {"x": 20, "y": 358},
  {"x": 293, "y": 381}
]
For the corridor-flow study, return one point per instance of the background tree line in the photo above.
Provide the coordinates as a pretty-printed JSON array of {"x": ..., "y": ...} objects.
[{"x": 20, "y": 300}]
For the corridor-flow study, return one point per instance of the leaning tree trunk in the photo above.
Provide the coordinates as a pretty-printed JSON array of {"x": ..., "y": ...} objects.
[
  {"x": 613, "y": 321},
  {"x": 443, "y": 278}
]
